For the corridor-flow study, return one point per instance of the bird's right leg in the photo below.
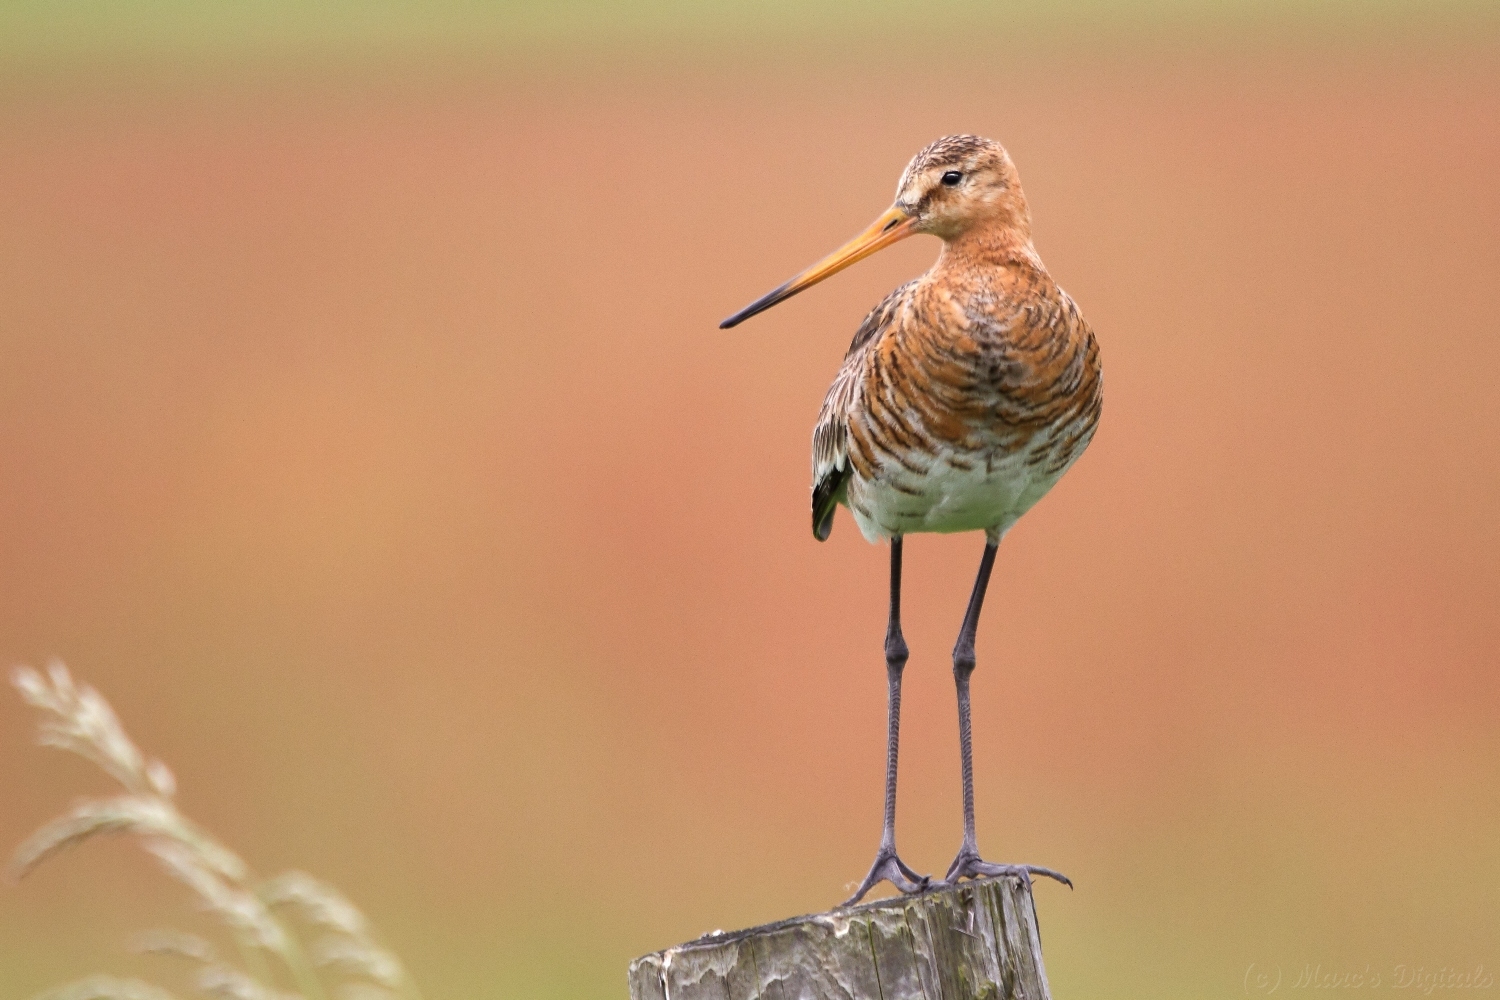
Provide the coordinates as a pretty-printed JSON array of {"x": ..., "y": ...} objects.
[{"x": 888, "y": 867}]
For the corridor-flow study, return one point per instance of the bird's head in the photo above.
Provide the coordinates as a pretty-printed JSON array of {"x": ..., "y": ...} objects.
[
  {"x": 961, "y": 182},
  {"x": 958, "y": 185}
]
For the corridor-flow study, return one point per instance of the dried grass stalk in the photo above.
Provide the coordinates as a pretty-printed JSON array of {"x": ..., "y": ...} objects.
[
  {"x": 231, "y": 984},
  {"x": 147, "y": 816},
  {"x": 101, "y": 987},
  {"x": 364, "y": 991},
  {"x": 319, "y": 903},
  {"x": 75, "y": 717},
  {"x": 357, "y": 957},
  {"x": 237, "y": 907},
  {"x": 177, "y": 944}
]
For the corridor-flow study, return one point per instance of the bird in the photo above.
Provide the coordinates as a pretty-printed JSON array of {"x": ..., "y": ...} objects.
[{"x": 964, "y": 397}]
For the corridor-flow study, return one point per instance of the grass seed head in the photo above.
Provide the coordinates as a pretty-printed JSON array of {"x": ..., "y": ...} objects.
[{"x": 101, "y": 987}]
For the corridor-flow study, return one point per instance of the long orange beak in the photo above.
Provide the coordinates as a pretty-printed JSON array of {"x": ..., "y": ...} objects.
[{"x": 893, "y": 226}]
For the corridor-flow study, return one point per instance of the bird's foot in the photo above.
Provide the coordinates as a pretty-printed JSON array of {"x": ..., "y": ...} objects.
[
  {"x": 968, "y": 864},
  {"x": 889, "y": 868}
]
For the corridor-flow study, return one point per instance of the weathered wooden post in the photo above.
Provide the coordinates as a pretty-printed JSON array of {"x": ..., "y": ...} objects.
[{"x": 974, "y": 941}]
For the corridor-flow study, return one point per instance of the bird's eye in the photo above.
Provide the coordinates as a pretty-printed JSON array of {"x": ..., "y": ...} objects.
[{"x": 952, "y": 178}]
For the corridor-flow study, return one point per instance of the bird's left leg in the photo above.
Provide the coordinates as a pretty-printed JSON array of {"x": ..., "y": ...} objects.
[
  {"x": 968, "y": 863},
  {"x": 888, "y": 867}
]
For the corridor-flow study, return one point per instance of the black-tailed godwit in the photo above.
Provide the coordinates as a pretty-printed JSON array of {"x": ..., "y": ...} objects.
[{"x": 965, "y": 396}]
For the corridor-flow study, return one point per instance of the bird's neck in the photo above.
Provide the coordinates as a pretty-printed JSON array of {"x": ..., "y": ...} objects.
[{"x": 988, "y": 250}]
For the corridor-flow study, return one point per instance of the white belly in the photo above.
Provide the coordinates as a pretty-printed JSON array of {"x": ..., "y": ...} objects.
[{"x": 991, "y": 496}]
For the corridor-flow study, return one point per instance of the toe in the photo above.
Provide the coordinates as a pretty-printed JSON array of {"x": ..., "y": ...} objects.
[
  {"x": 970, "y": 865},
  {"x": 1049, "y": 873},
  {"x": 888, "y": 868},
  {"x": 921, "y": 881}
]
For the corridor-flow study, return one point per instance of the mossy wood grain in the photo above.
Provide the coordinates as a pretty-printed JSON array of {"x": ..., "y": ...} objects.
[{"x": 976, "y": 941}]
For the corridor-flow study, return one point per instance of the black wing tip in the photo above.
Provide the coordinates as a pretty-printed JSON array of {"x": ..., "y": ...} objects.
[
  {"x": 731, "y": 321},
  {"x": 825, "y": 501}
]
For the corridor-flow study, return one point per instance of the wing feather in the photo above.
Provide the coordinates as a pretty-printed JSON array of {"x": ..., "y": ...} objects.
[{"x": 830, "y": 443}]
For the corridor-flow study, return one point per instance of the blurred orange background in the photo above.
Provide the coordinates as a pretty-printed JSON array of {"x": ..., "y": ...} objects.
[{"x": 366, "y": 438}]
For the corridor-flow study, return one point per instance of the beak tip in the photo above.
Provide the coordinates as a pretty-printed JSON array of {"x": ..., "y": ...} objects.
[{"x": 883, "y": 233}]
